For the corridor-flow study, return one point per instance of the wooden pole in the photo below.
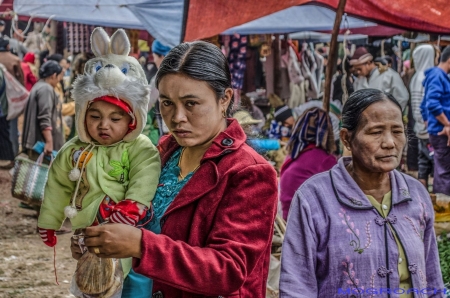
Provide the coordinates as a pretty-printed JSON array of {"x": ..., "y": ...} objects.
[{"x": 333, "y": 55}]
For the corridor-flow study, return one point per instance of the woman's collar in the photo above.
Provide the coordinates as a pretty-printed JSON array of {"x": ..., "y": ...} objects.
[{"x": 347, "y": 192}]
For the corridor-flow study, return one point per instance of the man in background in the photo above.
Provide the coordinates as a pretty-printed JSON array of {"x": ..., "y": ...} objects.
[
  {"x": 435, "y": 109},
  {"x": 370, "y": 76}
]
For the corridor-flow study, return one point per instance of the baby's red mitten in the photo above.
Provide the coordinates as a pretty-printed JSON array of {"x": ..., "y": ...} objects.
[
  {"x": 48, "y": 236},
  {"x": 127, "y": 212}
]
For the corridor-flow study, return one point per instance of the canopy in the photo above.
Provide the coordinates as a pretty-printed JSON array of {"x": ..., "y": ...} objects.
[
  {"x": 208, "y": 18},
  {"x": 295, "y": 19},
  {"x": 162, "y": 18},
  {"x": 174, "y": 20}
]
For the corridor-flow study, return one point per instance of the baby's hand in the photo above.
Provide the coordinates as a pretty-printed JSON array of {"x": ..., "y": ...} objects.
[
  {"x": 128, "y": 212},
  {"x": 48, "y": 236}
]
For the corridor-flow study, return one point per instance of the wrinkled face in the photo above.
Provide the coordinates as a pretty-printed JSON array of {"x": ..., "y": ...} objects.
[
  {"x": 106, "y": 123},
  {"x": 363, "y": 69},
  {"x": 378, "y": 142},
  {"x": 191, "y": 110}
]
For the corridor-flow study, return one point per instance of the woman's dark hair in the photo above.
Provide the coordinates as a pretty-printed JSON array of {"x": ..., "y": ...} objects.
[
  {"x": 201, "y": 61},
  {"x": 358, "y": 102},
  {"x": 49, "y": 68}
]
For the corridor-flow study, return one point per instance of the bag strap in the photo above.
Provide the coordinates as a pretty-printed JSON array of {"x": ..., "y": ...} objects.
[{"x": 41, "y": 159}]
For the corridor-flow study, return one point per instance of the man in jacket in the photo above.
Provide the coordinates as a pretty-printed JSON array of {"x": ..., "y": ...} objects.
[
  {"x": 436, "y": 112},
  {"x": 423, "y": 57},
  {"x": 384, "y": 79}
]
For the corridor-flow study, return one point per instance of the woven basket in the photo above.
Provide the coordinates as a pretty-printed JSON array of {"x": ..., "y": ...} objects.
[{"x": 29, "y": 179}]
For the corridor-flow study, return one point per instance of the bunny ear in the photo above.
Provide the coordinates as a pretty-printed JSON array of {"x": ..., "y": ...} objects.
[
  {"x": 120, "y": 45},
  {"x": 99, "y": 42}
]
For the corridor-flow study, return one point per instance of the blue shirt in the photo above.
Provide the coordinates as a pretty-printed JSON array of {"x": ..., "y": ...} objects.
[
  {"x": 436, "y": 99},
  {"x": 136, "y": 285}
]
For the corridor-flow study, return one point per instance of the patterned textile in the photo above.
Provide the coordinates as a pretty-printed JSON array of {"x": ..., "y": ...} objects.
[
  {"x": 29, "y": 180},
  {"x": 78, "y": 37},
  {"x": 236, "y": 59},
  {"x": 167, "y": 190},
  {"x": 311, "y": 128}
]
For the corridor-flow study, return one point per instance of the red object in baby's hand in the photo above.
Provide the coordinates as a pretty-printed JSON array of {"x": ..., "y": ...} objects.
[
  {"x": 127, "y": 212},
  {"x": 48, "y": 236}
]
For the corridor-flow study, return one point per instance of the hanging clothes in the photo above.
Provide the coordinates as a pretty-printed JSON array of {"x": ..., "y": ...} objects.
[{"x": 236, "y": 59}]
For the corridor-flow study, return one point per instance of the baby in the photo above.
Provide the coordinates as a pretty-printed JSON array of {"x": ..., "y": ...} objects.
[{"x": 109, "y": 172}]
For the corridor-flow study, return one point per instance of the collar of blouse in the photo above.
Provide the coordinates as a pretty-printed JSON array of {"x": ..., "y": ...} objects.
[{"x": 347, "y": 192}]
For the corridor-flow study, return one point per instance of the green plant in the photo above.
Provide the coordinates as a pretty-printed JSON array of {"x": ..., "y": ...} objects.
[{"x": 443, "y": 242}]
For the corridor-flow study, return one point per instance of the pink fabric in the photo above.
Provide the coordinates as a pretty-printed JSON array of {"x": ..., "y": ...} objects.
[{"x": 294, "y": 173}]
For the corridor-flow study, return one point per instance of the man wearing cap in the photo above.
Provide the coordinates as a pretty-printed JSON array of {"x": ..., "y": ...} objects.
[{"x": 370, "y": 76}]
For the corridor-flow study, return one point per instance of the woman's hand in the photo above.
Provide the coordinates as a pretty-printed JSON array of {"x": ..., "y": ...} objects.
[
  {"x": 75, "y": 249},
  {"x": 114, "y": 241}
]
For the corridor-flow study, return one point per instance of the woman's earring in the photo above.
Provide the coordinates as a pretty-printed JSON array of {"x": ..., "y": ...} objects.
[{"x": 224, "y": 114}]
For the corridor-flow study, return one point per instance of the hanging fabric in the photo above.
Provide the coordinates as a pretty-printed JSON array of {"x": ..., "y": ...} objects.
[{"x": 236, "y": 59}]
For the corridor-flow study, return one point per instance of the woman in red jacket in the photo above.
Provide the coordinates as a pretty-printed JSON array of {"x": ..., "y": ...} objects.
[{"x": 216, "y": 201}]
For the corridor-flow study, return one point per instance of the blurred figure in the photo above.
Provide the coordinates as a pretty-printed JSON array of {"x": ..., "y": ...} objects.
[
  {"x": 435, "y": 109},
  {"x": 16, "y": 44},
  {"x": 68, "y": 108},
  {"x": 423, "y": 57},
  {"x": 28, "y": 74},
  {"x": 159, "y": 51},
  {"x": 384, "y": 79},
  {"x": 6, "y": 146},
  {"x": 310, "y": 151},
  {"x": 13, "y": 66},
  {"x": 2, "y": 28},
  {"x": 43, "y": 121}
]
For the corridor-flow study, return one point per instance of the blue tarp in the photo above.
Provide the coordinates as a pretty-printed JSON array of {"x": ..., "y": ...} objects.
[
  {"x": 163, "y": 18},
  {"x": 295, "y": 19}
]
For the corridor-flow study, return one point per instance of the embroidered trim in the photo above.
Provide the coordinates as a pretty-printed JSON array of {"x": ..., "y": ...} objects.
[
  {"x": 355, "y": 201},
  {"x": 405, "y": 192},
  {"x": 350, "y": 274},
  {"x": 372, "y": 283},
  {"x": 413, "y": 268},
  {"x": 414, "y": 226},
  {"x": 392, "y": 219},
  {"x": 355, "y": 232},
  {"x": 383, "y": 271}
]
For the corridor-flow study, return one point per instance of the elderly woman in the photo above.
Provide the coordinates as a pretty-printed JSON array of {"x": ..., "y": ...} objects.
[
  {"x": 310, "y": 152},
  {"x": 363, "y": 229},
  {"x": 216, "y": 202}
]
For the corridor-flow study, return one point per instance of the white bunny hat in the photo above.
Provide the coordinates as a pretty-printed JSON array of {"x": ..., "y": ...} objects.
[{"x": 112, "y": 72}]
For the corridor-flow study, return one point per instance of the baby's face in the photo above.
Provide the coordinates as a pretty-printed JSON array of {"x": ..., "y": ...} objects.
[{"x": 106, "y": 123}]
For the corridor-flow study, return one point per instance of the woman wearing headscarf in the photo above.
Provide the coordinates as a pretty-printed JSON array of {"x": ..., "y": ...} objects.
[
  {"x": 310, "y": 151},
  {"x": 43, "y": 120},
  {"x": 363, "y": 229}
]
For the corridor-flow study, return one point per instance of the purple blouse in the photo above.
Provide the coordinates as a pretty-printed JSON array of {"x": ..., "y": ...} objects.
[{"x": 338, "y": 245}]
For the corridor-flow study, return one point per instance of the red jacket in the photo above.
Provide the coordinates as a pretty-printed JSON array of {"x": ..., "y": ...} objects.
[
  {"x": 216, "y": 235},
  {"x": 28, "y": 75}
]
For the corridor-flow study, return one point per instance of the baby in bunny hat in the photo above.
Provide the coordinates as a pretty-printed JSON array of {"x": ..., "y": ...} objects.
[{"x": 110, "y": 171}]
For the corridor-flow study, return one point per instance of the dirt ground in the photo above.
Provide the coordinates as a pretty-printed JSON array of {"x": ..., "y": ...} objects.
[{"x": 26, "y": 263}]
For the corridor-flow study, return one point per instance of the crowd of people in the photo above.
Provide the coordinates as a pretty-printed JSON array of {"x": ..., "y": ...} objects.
[{"x": 195, "y": 217}]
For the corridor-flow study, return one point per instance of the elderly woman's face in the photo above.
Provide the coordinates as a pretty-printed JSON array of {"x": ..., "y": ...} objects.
[
  {"x": 191, "y": 110},
  {"x": 378, "y": 143}
]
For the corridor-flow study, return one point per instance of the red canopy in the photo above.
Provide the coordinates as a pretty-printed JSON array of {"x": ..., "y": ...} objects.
[{"x": 208, "y": 18}]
